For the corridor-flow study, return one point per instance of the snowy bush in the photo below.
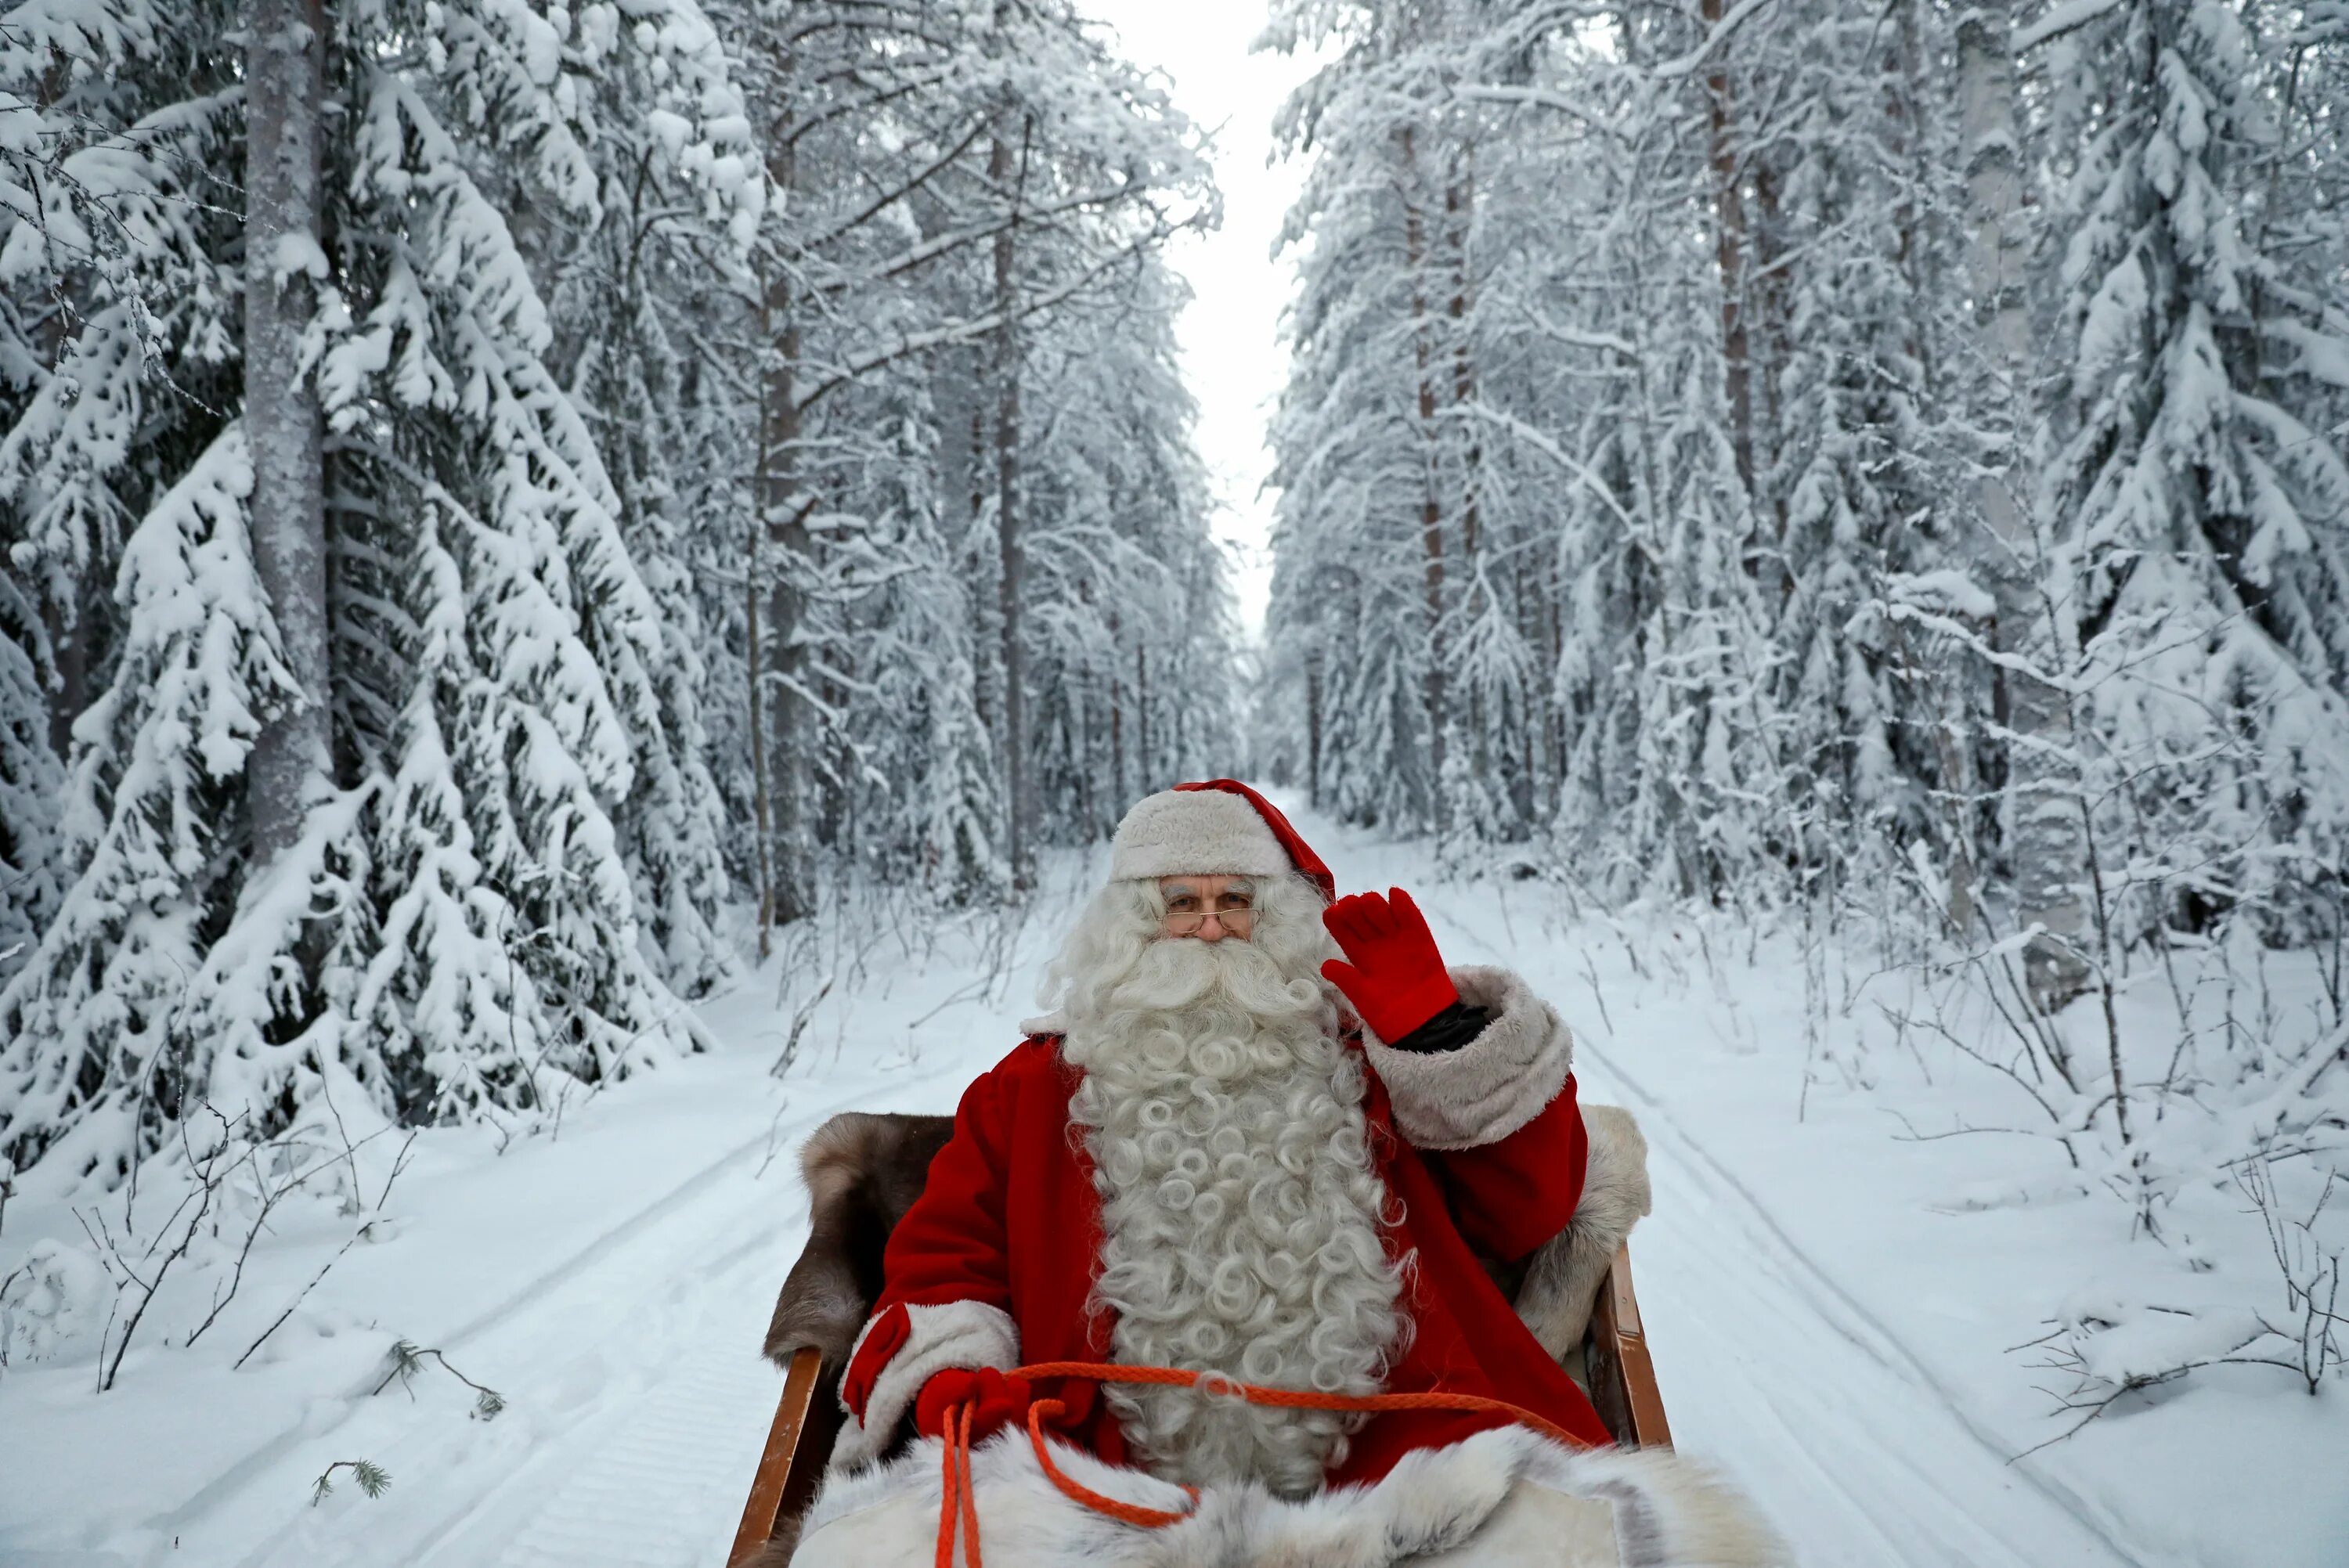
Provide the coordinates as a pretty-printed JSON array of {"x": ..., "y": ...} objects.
[
  {"x": 2105, "y": 1346},
  {"x": 50, "y": 1298}
]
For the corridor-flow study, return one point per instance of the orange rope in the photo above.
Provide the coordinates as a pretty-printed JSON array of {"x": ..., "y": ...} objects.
[
  {"x": 958, "y": 1488},
  {"x": 1099, "y": 1503},
  {"x": 961, "y": 1503}
]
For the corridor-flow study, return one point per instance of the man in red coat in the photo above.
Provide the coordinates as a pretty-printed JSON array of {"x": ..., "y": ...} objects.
[{"x": 1230, "y": 1148}]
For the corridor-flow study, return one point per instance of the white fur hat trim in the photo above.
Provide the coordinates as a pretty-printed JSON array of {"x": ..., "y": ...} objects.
[{"x": 1194, "y": 832}]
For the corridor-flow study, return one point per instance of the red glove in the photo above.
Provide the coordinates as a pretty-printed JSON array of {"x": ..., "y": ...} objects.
[
  {"x": 1000, "y": 1401},
  {"x": 1396, "y": 979}
]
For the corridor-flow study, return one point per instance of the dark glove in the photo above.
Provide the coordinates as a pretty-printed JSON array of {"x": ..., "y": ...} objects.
[
  {"x": 1394, "y": 976},
  {"x": 1448, "y": 1031},
  {"x": 1000, "y": 1401}
]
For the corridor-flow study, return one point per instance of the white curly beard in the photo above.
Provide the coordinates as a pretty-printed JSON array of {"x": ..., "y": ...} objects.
[{"x": 1240, "y": 1210}]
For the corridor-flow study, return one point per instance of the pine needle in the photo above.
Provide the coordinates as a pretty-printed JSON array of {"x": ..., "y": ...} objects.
[{"x": 372, "y": 1478}]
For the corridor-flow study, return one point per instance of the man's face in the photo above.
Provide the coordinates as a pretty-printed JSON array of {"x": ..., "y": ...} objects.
[{"x": 1209, "y": 908}]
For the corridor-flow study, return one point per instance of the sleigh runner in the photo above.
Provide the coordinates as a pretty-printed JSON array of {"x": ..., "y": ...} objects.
[{"x": 864, "y": 1172}]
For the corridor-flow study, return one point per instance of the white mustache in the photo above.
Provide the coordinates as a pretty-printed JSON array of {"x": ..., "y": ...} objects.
[{"x": 1180, "y": 973}]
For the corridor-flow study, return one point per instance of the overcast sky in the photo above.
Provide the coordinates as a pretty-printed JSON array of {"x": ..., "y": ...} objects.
[{"x": 1231, "y": 346}]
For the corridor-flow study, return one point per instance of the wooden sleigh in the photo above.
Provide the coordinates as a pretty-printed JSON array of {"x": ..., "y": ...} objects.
[{"x": 863, "y": 1172}]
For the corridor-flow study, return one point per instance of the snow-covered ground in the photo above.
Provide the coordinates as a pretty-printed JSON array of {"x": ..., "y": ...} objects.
[{"x": 1831, "y": 1307}]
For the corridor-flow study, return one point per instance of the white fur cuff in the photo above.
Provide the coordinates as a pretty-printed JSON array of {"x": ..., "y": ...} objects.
[
  {"x": 1490, "y": 1087},
  {"x": 953, "y": 1333}
]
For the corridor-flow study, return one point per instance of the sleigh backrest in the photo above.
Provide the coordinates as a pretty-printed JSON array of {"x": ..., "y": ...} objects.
[{"x": 863, "y": 1172}]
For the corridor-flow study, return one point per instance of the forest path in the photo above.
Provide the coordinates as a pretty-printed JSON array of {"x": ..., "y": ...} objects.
[
  {"x": 636, "y": 1404},
  {"x": 635, "y": 1401}
]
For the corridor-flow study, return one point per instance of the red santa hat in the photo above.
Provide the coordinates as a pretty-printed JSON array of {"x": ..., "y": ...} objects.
[{"x": 1219, "y": 827}]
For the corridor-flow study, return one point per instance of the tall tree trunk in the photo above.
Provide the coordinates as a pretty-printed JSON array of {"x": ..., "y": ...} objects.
[
  {"x": 1076, "y": 692},
  {"x": 1459, "y": 217},
  {"x": 2047, "y": 854},
  {"x": 790, "y": 894},
  {"x": 1431, "y": 506},
  {"x": 1730, "y": 245},
  {"x": 986, "y": 674},
  {"x": 1905, "y": 89},
  {"x": 286, "y": 88},
  {"x": 1536, "y": 714},
  {"x": 1554, "y": 760},
  {"x": 763, "y": 806},
  {"x": 1769, "y": 282},
  {"x": 1313, "y": 724},
  {"x": 785, "y": 511},
  {"x": 65, "y": 616},
  {"x": 68, "y": 624},
  {"x": 1120, "y": 797},
  {"x": 1151, "y": 782},
  {"x": 1010, "y": 587}
]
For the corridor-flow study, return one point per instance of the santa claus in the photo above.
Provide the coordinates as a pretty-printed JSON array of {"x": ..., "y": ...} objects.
[{"x": 1264, "y": 1135}]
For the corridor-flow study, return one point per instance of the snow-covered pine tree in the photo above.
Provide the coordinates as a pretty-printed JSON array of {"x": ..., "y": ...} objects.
[
  {"x": 98, "y": 1052},
  {"x": 1461, "y": 515},
  {"x": 264, "y": 1017},
  {"x": 116, "y": 337},
  {"x": 538, "y": 293},
  {"x": 1363, "y": 514},
  {"x": 928, "y": 791},
  {"x": 122, "y": 380},
  {"x": 464, "y": 489},
  {"x": 31, "y": 779},
  {"x": 537, "y": 634},
  {"x": 1133, "y": 686},
  {"x": 1849, "y": 245},
  {"x": 2196, "y": 565},
  {"x": 870, "y": 120},
  {"x": 963, "y": 185},
  {"x": 1092, "y": 170},
  {"x": 679, "y": 187}
]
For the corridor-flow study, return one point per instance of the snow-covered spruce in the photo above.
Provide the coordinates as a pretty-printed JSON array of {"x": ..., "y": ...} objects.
[
  {"x": 652, "y": 415},
  {"x": 95, "y": 1047},
  {"x": 1882, "y": 474}
]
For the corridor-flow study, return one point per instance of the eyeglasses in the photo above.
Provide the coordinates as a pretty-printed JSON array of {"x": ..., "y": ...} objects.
[{"x": 1188, "y": 921}]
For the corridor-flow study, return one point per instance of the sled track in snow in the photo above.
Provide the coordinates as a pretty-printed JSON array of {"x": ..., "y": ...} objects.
[
  {"x": 651, "y": 1477},
  {"x": 611, "y": 1325},
  {"x": 1835, "y": 1308},
  {"x": 658, "y": 1490},
  {"x": 1895, "y": 1470}
]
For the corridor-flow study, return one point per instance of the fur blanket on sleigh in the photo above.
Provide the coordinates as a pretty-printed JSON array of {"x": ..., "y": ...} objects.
[{"x": 1502, "y": 1499}]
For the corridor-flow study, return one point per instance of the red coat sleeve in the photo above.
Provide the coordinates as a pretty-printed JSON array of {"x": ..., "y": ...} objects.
[
  {"x": 951, "y": 1245},
  {"x": 946, "y": 1298},
  {"x": 1510, "y": 1196}
]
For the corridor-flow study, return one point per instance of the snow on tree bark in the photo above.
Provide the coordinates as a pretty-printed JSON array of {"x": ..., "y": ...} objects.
[
  {"x": 1008, "y": 173},
  {"x": 2046, "y": 853},
  {"x": 285, "y": 51}
]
